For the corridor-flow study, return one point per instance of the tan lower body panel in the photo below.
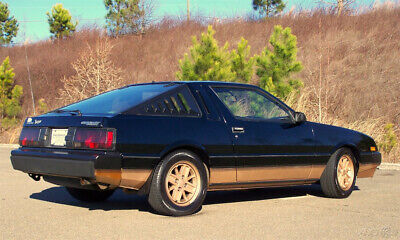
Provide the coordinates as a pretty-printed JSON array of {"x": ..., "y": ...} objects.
[
  {"x": 128, "y": 178},
  {"x": 225, "y": 178},
  {"x": 134, "y": 178},
  {"x": 367, "y": 170},
  {"x": 222, "y": 175},
  {"x": 112, "y": 177},
  {"x": 316, "y": 171},
  {"x": 254, "y": 174}
]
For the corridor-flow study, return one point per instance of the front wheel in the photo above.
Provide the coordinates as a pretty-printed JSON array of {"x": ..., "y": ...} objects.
[
  {"x": 86, "y": 195},
  {"x": 339, "y": 176},
  {"x": 179, "y": 184}
]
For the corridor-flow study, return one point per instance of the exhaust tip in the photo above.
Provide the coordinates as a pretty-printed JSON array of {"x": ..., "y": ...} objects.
[
  {"x": 84, "y": 182},
  {"x": 35, "y": 177}
]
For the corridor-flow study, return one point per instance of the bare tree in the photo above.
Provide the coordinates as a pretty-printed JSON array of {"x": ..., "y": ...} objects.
[
  {"x": 147, "y": 18},
  {"x": 95, "y": 73},
  {"x": 319, "y": 98},
  {"x": 338, "y": 5}
]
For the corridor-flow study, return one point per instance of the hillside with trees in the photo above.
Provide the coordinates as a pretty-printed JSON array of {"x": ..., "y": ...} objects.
[{"x": 337, "y": 67}]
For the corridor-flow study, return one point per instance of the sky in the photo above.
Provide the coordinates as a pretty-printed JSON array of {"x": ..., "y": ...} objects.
[{"x": 31, "y": 14}]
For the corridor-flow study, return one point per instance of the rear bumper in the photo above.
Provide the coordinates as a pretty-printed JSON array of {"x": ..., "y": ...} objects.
[
  {"x": 67, "y": 167},
  {"x": 52, "y": 162},
  {"x": 54, "y": 166}
]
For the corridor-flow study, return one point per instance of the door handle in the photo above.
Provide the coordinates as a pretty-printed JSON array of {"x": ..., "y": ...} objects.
[{"x": 237, "y": 130}]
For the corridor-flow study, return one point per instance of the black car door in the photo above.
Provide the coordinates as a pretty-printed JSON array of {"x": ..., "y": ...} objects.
[
  {"x": 222, "y": 161},
  {"x": 267, "y": 144}
]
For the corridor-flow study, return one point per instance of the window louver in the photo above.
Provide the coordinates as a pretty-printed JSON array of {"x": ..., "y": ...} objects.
[{"x": 176, "y": 104}]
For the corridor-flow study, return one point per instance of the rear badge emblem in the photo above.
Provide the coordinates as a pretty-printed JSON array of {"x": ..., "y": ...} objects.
[
  {"x": 90, "y": 123},
  {"x": 31, "y": 121}
]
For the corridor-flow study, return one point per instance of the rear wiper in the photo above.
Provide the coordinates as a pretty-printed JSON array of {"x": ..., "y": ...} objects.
[{"x": 77, "y": 112}]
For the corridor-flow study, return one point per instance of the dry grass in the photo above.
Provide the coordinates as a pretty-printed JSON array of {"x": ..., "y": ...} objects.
[
  {"x": 308, "y": 102},
  {"x": 351, "y": 63}
]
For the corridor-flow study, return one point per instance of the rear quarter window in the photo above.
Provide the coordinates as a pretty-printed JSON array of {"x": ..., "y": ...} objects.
[
  {"x": 120, "y": 100},
  {"x": 179, "y": 102}
]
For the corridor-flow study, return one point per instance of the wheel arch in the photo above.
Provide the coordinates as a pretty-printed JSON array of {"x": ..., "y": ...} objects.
[
  {"x": 191, "y": 146},
  {"x": 354, "y": 150},
  {"x": 197, "y": 149}
]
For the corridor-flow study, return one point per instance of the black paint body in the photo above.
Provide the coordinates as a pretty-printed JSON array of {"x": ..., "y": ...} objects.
[{"x": 142, "y": 141}]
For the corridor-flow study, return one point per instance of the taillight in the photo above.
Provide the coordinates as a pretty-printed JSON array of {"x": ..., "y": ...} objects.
[
  {"x": 94, "y": 138},
  {"x": 30, "y": 137}
]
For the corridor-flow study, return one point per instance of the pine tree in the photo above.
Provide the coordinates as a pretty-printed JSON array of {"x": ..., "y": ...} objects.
[
  {"x": 207, "y": 61},
  {"x": 269, "y": 8},
  {"x": 60, "y": 22},
  {"x": 389, "y": 139},
  {"x": 125, "y": 16},
  {"x": 8, "y": 25},
  {"x": 10, "y": 95},
  {"x": 42, "y": 106},
  {"x": 274, "y": 68},
  {"x": 241, "y": 62}
]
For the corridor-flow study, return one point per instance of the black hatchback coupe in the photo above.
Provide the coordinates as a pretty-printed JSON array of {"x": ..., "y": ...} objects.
[{"x": 174, "y": 141}]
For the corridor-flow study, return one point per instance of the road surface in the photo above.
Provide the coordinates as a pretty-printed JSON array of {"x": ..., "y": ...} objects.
[{"x": 40, "y": 210}]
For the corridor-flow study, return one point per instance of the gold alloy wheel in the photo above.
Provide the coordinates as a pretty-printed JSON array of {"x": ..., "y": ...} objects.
[
  {"x": 182, "y": 183},
  {"x": 345, "y": 172}
]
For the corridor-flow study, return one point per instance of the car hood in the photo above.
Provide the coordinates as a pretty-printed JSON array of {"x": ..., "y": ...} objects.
[{"x": 339, "y": 136}]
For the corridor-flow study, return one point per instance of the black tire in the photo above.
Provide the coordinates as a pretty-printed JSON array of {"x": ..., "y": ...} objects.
[
  {"x": 159, "y": 198},
  {"x": 329, "y": 179},
  {"x": 86, "y": 195}
]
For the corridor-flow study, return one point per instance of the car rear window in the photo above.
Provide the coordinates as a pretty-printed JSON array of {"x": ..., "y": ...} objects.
[{"x": 119, "y": 100}]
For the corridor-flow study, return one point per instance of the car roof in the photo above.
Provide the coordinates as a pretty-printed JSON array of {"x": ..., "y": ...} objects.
[
  {"x": 198, "y": 83},
  {"x": 215, "y": 83}
]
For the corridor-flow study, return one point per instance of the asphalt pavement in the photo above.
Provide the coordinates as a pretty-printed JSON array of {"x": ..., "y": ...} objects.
[{"x": 40, "y": 210}]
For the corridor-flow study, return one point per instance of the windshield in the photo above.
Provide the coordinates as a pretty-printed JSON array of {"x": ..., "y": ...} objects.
[{"x": 119, "y": 100}]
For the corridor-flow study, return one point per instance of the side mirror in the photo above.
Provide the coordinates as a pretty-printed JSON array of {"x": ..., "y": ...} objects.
[{"x": 299, "y": 117}]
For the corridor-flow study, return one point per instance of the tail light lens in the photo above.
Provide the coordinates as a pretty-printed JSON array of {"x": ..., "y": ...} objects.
[
  {"x": 94, "y": 138},
  {"x": 77, "y": 138},
  {"x": 30, "y": 137}
]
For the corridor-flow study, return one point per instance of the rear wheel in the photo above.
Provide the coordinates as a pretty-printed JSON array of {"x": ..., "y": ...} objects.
[
  {"x": 339, "y": 176},
  {"x": 86, "y": 195},
  {"x": 179, "y": 184}
]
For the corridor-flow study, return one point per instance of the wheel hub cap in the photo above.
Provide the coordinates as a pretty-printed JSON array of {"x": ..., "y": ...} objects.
[
  {"x": 345, "y": 172},
  {"x": 182, "y": 183}
]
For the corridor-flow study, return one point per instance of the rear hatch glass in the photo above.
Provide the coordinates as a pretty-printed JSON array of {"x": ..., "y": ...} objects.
[{"x": 119, "y": 100}]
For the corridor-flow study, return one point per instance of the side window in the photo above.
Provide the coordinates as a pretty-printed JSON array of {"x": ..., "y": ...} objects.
[
  {"x": 177, "y": 103},
  {"x": 249, "y": 104}
]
